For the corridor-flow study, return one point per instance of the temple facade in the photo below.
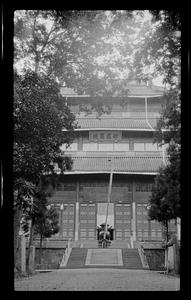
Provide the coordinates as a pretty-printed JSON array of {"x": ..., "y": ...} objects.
[{"x": 117, "y": 142}]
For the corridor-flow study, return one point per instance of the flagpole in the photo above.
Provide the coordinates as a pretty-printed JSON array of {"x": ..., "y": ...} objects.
[{"x": 109, "y": 196}]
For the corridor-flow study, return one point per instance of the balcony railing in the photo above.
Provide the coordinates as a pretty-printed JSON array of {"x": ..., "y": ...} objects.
[{"x": 113, "y": 153}]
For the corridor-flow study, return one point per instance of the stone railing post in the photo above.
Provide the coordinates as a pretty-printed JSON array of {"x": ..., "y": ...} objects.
[
  {"x": 66, "y": 254},
  {"x": 142, "y": 255},
  {"x": 23, "y": 254},
  {"x": 166, "y": 259}
]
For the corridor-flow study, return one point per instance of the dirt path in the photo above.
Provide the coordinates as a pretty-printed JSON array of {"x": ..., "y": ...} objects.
[{"x": 98, "y": 280}]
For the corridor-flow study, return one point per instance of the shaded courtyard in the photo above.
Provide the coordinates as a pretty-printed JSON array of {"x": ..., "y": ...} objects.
[{"x": 98, "y": 280}]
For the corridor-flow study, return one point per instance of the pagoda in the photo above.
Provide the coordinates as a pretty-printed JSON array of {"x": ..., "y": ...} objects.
[{"x": 119, "y": 142}]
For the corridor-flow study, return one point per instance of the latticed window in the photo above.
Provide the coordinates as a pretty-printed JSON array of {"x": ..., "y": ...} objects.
[
  {"x": 127, "y": 185},
  {"x": 94, "y": 136},
  {"x": 105, "y": 147},
  {"x": 121, "y": 146},
  {"x": 115, "y": 136},
  {"x": 69, "y": 187},
  {"x": 145, "y": 146},
  {"x": 138, "y": 146},
  {"x": 101, "y": 136},
  {"x": 108, "y": 136},
  {"x": 144, "y": 187}
]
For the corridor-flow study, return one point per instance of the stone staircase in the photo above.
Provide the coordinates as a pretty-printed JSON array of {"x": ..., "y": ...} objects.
[
  {"x": 94, "y": 244},
  {"x": 129, "y": 257},
  {"x": 77, "y": 258}
]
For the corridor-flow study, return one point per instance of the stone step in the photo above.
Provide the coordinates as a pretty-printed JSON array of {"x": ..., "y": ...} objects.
[
  {"x": 115, "y": 244},
  {"x": 77, "y": 258},
  {"x": 122, "y": 258},
  {"x": 104, "y": 257},
  {"x": 131, "y": 259}
]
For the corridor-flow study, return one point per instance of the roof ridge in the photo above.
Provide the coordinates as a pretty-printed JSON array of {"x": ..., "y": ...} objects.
[
  {"x": 106, "y": 118},
  {"x": 109, "y": 157}
]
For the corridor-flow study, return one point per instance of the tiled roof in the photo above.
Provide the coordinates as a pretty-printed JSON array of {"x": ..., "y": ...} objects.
[
  {"x": 69, "y": 92},
  {"x": 115, "y": 123},
  {"x": 120, "y": 164},
  {"x": 143, "y": 90},
  {"x": 133, "y": 90},
  {"x": 114, "y": 154}
]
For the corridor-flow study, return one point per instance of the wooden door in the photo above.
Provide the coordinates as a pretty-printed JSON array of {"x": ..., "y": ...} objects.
[
  {"x": 68, "y": 220},
  {"x": 122, "y": 221},
  {"x": 142, "y": 222},
  {"x": 101, "y": 213},
  {"x": 87, "y": 228}
]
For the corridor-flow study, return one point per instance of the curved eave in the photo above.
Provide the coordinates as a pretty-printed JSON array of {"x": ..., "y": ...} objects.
[
  {"x": 87, "y": 98},
  {"x": 122, "y": 165},
  {"x": 116, "y": 129},
  {"x": 145, "y": 96},
  {"x": 107, "y": 172},
  {"x": 120, "y": 124}
]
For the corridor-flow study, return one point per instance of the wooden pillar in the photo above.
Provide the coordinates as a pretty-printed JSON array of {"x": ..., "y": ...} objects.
[
  {"x": 178, "y": 224},
  {"x": 134, "y": 229},
  {"x": 77, "y": 210},
  {"x": 61, "y": 220},
  {"x": 80, "y": 143},
  {"x": 134, "y": 218},
  {"x": 131, "y": 144},
  {"x": 150, "y": 230}
]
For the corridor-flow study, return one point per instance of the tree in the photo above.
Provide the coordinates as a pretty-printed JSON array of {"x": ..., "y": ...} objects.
[
  {"x": 40, "y": 115},
  {"x": 87, "y": 50},
  {"x": 47, "y": 225},
  {"x": 23, "y": 198},
  {"x": 161, "y": 51},
  {"x": 165, "y": 199},
  {"x": 35, "y": 220},
  {"x": 44, "y": 218}
]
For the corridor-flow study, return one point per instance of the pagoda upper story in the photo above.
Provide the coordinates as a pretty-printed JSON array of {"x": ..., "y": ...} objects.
[
  {"x": 129, "y": 112},
  {"x": 124, "y": 132}
]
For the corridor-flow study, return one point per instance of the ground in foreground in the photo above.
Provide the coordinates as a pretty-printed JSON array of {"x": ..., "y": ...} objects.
[{"x": 95, "y": 279}]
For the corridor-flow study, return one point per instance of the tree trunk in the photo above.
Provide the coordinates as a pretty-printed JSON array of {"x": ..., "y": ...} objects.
[
  {"x": 40, "y": 249},
  {"x": 165, "y": 228},
  {"x": 167, "y": 237},
  {"x": 17, "y": 219},
  {"x": 36, "y": 66},
  {"x": 30, "y": 241}
]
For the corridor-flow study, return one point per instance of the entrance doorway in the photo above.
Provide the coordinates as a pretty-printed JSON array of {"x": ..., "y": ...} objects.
[
  {"x": 87, "y": 228},
  {"x": 122, "y": 221},
  {"x": 101, "y": 213}
]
